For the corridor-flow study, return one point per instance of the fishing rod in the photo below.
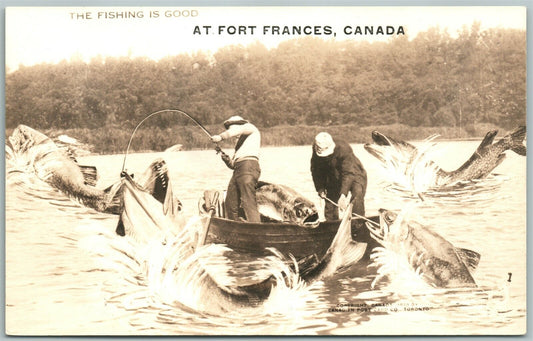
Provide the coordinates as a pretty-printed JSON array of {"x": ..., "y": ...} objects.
[
  {"x": 159, "y": 112},
  {"x": 353, "y": 214}
]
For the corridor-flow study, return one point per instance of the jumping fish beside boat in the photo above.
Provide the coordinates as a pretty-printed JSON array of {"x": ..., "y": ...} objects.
[
  {"x": 483, "y": 161},
  {"x": 428, "y": 253},
  {"x": 60, "y": 169},
  {"x": 150, "y": 211},
  {"x": 56, "y": 167}
]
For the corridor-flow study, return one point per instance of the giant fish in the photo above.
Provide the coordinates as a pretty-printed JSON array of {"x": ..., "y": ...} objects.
[
  {"x": 146, "y": 219},
  {"x": 282, "y": 203},
  {"x": 487, "y": 156},
  {"x": 275, "y": 202},
  {"x": 60, "y": 169},
  {"x": 439, "y": 262}
]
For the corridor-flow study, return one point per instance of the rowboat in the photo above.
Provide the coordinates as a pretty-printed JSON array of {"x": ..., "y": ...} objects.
[
  {"x": 289, "y": 239},
  {"x": 307, "y": 244}
]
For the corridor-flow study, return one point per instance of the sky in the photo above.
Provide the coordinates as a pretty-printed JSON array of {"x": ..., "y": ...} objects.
[{"x": 51, "y": 34}]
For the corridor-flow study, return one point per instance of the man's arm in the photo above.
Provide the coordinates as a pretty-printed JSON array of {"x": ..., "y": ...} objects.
[
  {"x": 318, "y": 175},
  {"x": 347, "y": 168},
  {"x": 237, "y": 130}
]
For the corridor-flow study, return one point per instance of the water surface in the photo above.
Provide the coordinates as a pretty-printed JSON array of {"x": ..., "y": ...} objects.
[{"x": 67, "y": 273}]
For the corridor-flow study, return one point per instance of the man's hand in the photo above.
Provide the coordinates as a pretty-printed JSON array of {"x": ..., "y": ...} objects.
[
  {"x": 343, "y": 202},
  {"x": 216, "y": 138},
  {"x": 227, "y": 160},
  {"x": 322, "y": 193}
]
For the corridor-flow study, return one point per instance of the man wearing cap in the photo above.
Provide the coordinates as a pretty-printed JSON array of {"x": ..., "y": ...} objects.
[
  {"x": 245, "y": 165},
  {"x": 336, "y": 171}
]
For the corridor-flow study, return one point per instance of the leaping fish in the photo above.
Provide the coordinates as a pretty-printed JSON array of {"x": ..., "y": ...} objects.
[
  {"x": 60, "y": 169},
  {"x": 483, "y": 161},
  {"x": 439, "y": 262}
]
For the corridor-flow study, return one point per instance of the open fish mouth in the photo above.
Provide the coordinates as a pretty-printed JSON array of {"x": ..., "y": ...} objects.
[
  {"x": 375, "y": 151},
  {"x": 312, "y": 219},
  {"x": 381, "y": 232}
]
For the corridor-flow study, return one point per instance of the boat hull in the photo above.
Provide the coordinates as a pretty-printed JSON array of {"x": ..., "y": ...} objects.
[{"x": 298, "y": 241}]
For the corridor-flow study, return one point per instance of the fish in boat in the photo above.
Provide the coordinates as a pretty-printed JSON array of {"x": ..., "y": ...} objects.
[
  {"x": 282, "y": 203},
  {"x": 275, "y": 202},
  {"x": 483, "y": 161}
]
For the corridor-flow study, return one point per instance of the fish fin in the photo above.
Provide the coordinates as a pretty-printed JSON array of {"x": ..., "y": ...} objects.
[
  {"x": 487, "y": 140},
  {"x": 520, "y": 150},
  {"x": 517, "y": 137},
  {"x": 519, "y": 134},
  {"x": 113, "y": 198},
  {"x": 171, "y": 205},
  {"x": 120, "y": 230},
  {"x": 469, "y": 257},
  {"x": 90, "y": 175}
]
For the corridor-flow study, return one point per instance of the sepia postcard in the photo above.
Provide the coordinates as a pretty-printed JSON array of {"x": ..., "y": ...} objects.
[{"x": 298, "y": 170}]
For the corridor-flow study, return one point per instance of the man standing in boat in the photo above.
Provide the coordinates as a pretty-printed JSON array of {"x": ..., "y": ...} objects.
[
  {"x": 245, "y": 165},
  {"x": 337, "y": 171}
]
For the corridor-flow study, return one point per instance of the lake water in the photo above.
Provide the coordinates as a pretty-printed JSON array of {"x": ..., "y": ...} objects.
[{"x": 67, "y": 273}]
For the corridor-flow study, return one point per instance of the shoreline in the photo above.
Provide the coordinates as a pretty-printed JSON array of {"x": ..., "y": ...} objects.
[
  {"x": 111, "y": 140},
  {"x": 467, "y": 139}
]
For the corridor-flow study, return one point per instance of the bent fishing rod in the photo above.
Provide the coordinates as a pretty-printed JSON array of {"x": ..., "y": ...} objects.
[{"x": 159, "y": 112}]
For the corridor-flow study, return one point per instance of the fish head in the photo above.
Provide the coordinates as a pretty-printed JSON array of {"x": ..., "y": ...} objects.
[
  {"x": 25, "y": 138},
  {"x": 387, "y": 217},
  {"x": 282, "y": 203},
  {"x": 144, "y": 214},
  {"x": 380, "y": 139},
  {"x": 301, "y": 211},
  {"x": 380, "y": 232},
  {"x": 387, "y": 150},
  {"x": 376, "y": 151},
  {"x": 305, "y": 212},
  {"x": 393, "y": 228},
  {"x": 155, "y": 181},
  {"x": 32, "y": 148}
]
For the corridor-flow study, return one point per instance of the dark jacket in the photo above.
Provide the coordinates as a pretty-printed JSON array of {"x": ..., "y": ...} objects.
[{"x": 337, "y": 172}]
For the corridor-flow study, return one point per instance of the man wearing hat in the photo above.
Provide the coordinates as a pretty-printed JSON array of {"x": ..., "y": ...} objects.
[
  {"x": 337, "y": 171},
  {"x": 245, "y": 165}
]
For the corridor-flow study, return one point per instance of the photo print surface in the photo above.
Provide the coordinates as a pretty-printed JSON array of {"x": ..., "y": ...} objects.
[{"x": 265, "y": 171}]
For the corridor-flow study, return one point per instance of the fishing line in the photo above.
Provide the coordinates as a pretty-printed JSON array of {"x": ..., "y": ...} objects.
[
  {"x": 353, "y": 214},
  {"x": 158, "y": 112}
]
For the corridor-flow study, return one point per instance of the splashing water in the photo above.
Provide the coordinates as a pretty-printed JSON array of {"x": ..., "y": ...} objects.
[
  {"x": 394, "y": 261},
  {"x": 207, "y": 279},
  {"x": 414, "y": 173},
  {"x": 416, "y": 176},
  {"x": 171, "y": 272}
]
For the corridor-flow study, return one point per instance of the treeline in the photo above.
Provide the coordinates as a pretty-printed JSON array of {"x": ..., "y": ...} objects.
[
  {"x": 433, "y": 80},
  {"x": 112, "y": 140}
]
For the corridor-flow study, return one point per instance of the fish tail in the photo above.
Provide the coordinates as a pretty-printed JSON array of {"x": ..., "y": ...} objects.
[{"x": 517, "y": 137}]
